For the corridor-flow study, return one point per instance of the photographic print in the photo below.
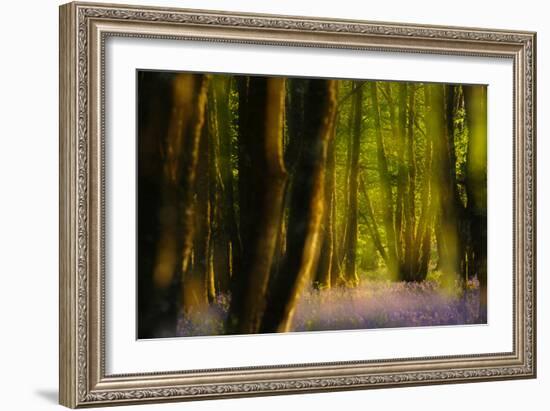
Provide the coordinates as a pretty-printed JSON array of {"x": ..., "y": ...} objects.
[
  {"x": 273, "y": 204},
  {"x": 241, "y": 193}
]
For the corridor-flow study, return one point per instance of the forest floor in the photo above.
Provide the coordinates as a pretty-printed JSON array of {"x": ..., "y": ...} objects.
[{"x": 372, "y": 304}]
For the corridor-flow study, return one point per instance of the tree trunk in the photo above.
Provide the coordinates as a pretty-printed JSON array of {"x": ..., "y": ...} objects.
[
  {"x": 397, "y": 129},
  {"x": 448, "y": 241},
  {"x": 325, "y": 269},
  {"x": 403, "y": 213},
  {"x": 195, "y": 279},
  {"x": 265, "y": 108},
  {"x": 218, "y": 259},
  {"x": 461, "y": 218},
  {"x": 227, "y": 245},
  {"x": 306, "y": 204},
  {"x": 476, "y": 184},
  {"x": 180, "y": 156},
  {"x": 372, "y": 226},
  {"x": 154, "y": 106},
  {"x": 335, "y": 267},
  {"x": 295, "y": 121},
  {"x": 238, "y": 281},
  {"x": 350, "y": 273},
  {"x": 339, "y": 263},
  {"x": 407, "y": 121},
  {"x": 423, "y": 235},
  {"x": 387, "y": 198}
]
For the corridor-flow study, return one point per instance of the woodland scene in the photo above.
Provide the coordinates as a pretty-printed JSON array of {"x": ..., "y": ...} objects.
[{"x": 283, "y": 204}]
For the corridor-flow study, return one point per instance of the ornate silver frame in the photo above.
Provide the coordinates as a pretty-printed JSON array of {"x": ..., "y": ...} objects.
[{"x": 83, "y": 30}]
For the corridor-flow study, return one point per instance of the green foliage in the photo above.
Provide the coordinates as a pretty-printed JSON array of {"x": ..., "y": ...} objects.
[{"x": 369, "y": 259}]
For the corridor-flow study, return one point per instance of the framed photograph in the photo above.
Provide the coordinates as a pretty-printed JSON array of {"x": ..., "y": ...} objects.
[{"x": 259, "y": 204}]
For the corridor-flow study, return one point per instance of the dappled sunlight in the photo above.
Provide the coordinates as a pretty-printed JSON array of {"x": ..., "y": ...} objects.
[{"x": 275, "y": 204}]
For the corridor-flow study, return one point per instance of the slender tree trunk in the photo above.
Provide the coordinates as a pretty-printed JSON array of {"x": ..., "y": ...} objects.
[
  {"x": 196, "y": 279},
  {"x": 245, "y": 200},
  {"x": 461, "y": 219},
  {"x": 227, "y": 249},
  {"x": 335, "y": 267},
  {"x": 407, "y": 121},
  {"x": 387, "y": 198},
  {"x": 339, "y": 278},
  {"x": 350, "y": 274},
  {"x": 325, "y": 269},
  {"x": 371, "y": 221},
  {"x": 306, "y": 208},
  {"x": 423, "y": 236},
  {"x": 335, "y": 263},
  {"x": 425, "y": 247},
  {"x": 218, "y": 259},
  {"x": 465, "y": 223},
  {"x": 398, "y": 136},
  {"x": 402, "y": 224}
]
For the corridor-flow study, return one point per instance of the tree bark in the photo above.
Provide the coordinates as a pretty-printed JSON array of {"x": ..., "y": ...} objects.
[
  {"x": 476, "y": 184},
  {"x": 179, "y": 153},
  {"x": 238, "y": 281},
  {"x": 371, "y": 222},
  {"x": 461, "y": 218},
  {"x": 448, "y": 241},
  {"x": 295, "y": 122},
  {"x": 218, "y": 259},
  {"x": 407, "y": 125},
  {"x": 196, "y": 278},
  {"x": 387, "y": 198},
  {"x": 325, "y": 268},
  {"x": 265, "y": 108},
  {"x": 179, "y": 174},
  {"x": 350, "y": 273},
  {"x": 339, "y": 264},
  {"x": 227, "y": 245},
  {"x": 397, "y": 129},
  {"x": 423, "y": 235},
  {"x": 154, "y": 105},
  {"x": 306, "y": 204},
  {"x": 403, "y": 225}
]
